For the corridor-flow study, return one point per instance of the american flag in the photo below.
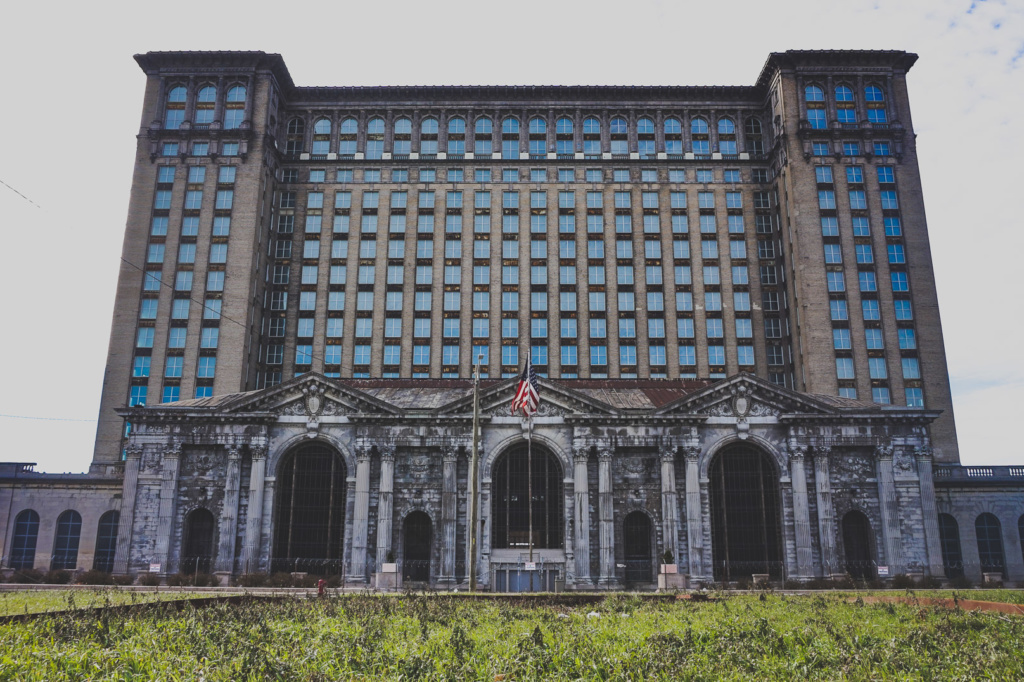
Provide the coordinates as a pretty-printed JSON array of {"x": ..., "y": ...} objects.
[{"x": 527, "y": 398}]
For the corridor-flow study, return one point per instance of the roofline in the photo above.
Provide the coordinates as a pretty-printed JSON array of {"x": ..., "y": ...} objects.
[{"x": 793, "y": 59}]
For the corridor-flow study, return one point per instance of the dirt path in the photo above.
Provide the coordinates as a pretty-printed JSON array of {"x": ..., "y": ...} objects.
[{"x": 966, "y": 604}]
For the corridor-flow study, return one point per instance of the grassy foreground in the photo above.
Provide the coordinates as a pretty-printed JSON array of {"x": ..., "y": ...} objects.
[
  {"x": 407, "y": 637},
  {"x": 44, "y": 601}
]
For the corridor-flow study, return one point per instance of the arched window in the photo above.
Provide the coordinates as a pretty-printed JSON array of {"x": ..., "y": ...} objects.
[
  {"x": 857, "y": 546},
  {"x": 174, "y": 113},
  {"x": 205, "y": 102},
  {"x": 416, "y": 545},
  {"x": 207, "y": 94},
  {"x": 309, "y": 526},
  {"x": 618, "y": 126},
  {"x": 873, "y": 93},
  {"x": 484, "y": 126},
  {"x": 236, "y": 94},
  {"x": 753, "y": 126},
  {"x": 746, "y": 528},
  {"x": 636, "y": 544},
  {"x": 234, "y": 111},
  {"x": 375, "y": 138},
  {"x": 698, "y": 126},
  {"x": 990, "y": 544},
  {"x": 812, "y": 93},
  {"x": 726, "y": 126},
  {"x": 297, "y": 126},
  {"x": 510, "y": 126},
  {"x": 428, "y": 126},
  {"x": 727, "y": 137},
  {"x": 349, "y": 126},
  {"x": 402, "y": 146},
  {"x": 403, "y": 126},
  {"x": 563, "y": 126},
  {"x": 949, "y": 539},
  {"x": 375, "y": 126},
  {"x": 106, "y": 541},
  {"x": 645, "y": 126},
  {"x": 510, "y": 493},
  {"x": 844, "y": 94},
  {"x": 591, "y": 126},
  {"x": 65, "y": 541},
  {"x": 673, "y": 126},
  {"x": 322, "y": 127},
  {"x": 23, "y": 544},
  {"x": 197, "y": 549},
  {"x": 699, "y": 136},
  {"x": 538, "y": 126},
  {"x": 457, "y": 126},
  {"x": 754, "y": 140},
  {"x": 510, "y": 138},
  {"x": 876, "y": 104}
]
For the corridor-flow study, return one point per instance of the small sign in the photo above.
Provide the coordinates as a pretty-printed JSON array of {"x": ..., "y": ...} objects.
[
  {"x": 883, "y": 571},
  {"x": 154, "y": 568},
  {"x": 531, "y": 566},
  {"x": 620, "y": 565}
]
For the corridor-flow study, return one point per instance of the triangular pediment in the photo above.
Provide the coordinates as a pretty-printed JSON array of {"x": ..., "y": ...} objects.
[
  {"x": 746, "y": 395},
  {"x": 555, "y": 400},
  {"x": 310, "y": 394}
]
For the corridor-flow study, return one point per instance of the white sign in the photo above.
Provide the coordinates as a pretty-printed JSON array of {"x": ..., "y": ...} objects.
[
  {"x": 154, "y": 568},
  {"x": 883, "y": 571},
  {"x": 531, "y": 566}
]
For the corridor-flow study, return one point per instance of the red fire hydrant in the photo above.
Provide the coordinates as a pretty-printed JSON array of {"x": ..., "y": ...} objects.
[{"x": 320, "y": 585}]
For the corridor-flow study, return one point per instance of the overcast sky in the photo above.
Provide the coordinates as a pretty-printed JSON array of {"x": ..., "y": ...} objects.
[{"x": 71, "y": 109}]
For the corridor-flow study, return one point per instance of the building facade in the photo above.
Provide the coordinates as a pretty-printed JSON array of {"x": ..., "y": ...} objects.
[{"x": 633, "y": 242}]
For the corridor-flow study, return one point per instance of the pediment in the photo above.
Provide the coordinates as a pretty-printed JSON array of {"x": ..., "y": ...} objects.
[
  {"x": 555, "y": 401},
  {"x": 746, "y": 395},
  {"x": 311, "y": 395}
]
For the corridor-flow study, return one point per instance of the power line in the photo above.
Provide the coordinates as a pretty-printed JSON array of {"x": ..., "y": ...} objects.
[
  {"x": 20, "y": 194},
  {"x": 48, "y": 419}
]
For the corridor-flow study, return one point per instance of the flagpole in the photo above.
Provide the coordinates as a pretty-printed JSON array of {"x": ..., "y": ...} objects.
[{"x": 529, "y": 476}]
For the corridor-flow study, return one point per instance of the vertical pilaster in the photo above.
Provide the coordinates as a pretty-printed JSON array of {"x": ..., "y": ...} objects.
[
  {"x": 126, "y": 522},
  {"x": 449, "y": 462},
  {"x": 254, "y": 515},
  {"x": 801, "y": 512},
  {"x": 888, "y": 505},
  {"x": 385, "y": 505},
  {"x": 694, "y": 512},
  {"x": 606, "y": 519},
  {"x": 826, "y": 513},
  {"x": 669, "y": 502},
  {"x": 933, "y": 543},
  {"x": 361, "y": 520},
  {"x": 229, "y": 512},
  {"x": 168, "y": 495},
  {"x": 581, "y": 455}
]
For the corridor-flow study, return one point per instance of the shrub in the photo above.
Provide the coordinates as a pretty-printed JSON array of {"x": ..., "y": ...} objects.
[
  {"x": 961, "y": 583},
  {"x": 58, "y": 577},
  {"x": 94, "y": 577},
  {"x": 929, "y": 582},
  {"x": 26, "y": 575},
  {"x": 252, "y": 580},
  {"x": 992, "y": 585},
  {"x": 333, "y": 580},
  {"x": 149, "y": 579},
  {"x": 903, "y": 582},
  {"x": 193, "y": 580},
  {"x": 280, "y": 580},
  {"x": 123, "y": 579}
]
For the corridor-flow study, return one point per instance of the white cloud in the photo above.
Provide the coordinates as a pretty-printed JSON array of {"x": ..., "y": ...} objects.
[{"x": 73, "y": 96}]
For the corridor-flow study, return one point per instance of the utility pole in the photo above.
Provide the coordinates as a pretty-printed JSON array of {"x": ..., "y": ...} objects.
[{"x": 473, "y": 464}]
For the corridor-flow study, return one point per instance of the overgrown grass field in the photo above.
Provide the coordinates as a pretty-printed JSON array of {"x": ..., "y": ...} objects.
[
  {"x": 46, "y": 601},
  {"x": 446, "y": 638}
]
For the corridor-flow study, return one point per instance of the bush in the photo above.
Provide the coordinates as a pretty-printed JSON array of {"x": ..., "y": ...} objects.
[
  {"x": 149, "y": 579},
  {"x": 280, "y": 580},
  {"x": 193, "y": 580},
  {"x": 252, "y": 580},
  {"x": 903, "y": 582},
  {"x": 306, "y": 581},
  {"x": 59, "y": 577},
  {"x": 123, "y": 579},
  {"x": 929, "y": 582},
  {"x": 333, "y": 581},
  {"x": 26, "y": 575},
  {"x": 992, "y": 585},
  {"x": 95, "y": 577},
  {"x": 961, "y": 583}
]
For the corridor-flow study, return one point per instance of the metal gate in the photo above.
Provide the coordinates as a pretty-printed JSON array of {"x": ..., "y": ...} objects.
[
  {"x": 636, "y": 532},
  {"x": 416, "y": 532}
]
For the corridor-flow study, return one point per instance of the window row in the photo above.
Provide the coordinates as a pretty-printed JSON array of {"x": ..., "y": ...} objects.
[
  {"x": 66, "y": 539},
  {"x": 205, "y": 106},
  {"x": 534, "y": 175}
]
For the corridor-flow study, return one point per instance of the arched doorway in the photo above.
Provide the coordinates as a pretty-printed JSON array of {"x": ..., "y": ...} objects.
[
  {"x": 990, "y": 544},
  {"x": 860, "y": 559},
  {"x": 197, "y": 553},
  {"x": 417, "y": 534},
  {"x": 636, "y": 543},
  {"x": 23, "y": 545},
  {"x": 949, "y": 540},
  {"x": 746, "y": 528},
  {"x": 65, "y": 542},
  {"x": 510, "y": 490},
  {"x": 309, "y": 521}
]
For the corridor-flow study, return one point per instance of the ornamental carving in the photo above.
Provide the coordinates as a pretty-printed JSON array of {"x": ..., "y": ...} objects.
[
  {"x": 581, "y": 453},
  {"x": 722, "y": 409},
  {"x": 851, "y": 466},
  {"x": 758, "y": 409},
  {"x": 199, "y": 463},
  {"x": 904, "y": 463}
]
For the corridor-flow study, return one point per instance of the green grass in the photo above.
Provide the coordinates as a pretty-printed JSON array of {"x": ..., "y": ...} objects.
[
  {"x": 407, "y": 637},
  {"x": 43, "y": 601}
]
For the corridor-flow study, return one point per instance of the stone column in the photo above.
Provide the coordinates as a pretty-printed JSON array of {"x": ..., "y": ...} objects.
[
  {"x": 694, "y": 512},
  {"x": 126, "y": 520},
  {"x": 889, "y": 507},
  {"x": 254, "y": 515},
  {"x": 826, "y": 514},
  {"x": 449, "y": 507},
  {"x": 386, "y": 504},
  {"x": 361, "y": 520},
  {"x": 801, "y": 513},
  {"x": 933, "y": 543},
  {"x": 581, "y": 455},
  {"x": 168, "y": 497},
  {"x": 229, "y": 512},
  {"x": 669, "y": 503},
  {"x": 606, "y": 516}
]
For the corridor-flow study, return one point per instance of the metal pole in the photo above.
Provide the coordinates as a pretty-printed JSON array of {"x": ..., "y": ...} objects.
[
  {"x": 473, "y": 474},
  {"x": 529, "y": 479}
]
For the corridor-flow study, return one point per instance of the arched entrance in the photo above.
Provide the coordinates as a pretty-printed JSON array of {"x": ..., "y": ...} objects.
[
  {"x": 417, "y": 534},
  {"x": 636, "y": 543},
  {"x": 65, "y": 543},
  {"x": 990, "y": 544},
  {"x": 510, "y": 490},
  {"x": 746, "y": 528},
  {"x": 309, "y": 520},
  {"x": 949, "y": 539},
  {"x": 860, "y": 559},
  {"x": 197, "y": 552}
]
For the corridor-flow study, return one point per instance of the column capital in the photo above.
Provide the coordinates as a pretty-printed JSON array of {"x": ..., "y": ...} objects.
[
  {"x": 884, "y": 451},
  {"x": 449, "y": 453},
  {"x": 387, "y": 452},
  {"x": 605, "y": 454},
  {"x": 822, "y": 451},
  {"x": 797, "y": 452},
  {"x": 133, "y": 451},
  {"x": 257, "y": 451},
  {"x": 173, "y": 450},
  {"x": 924, "y": 452},
  {"x": 363, "y": 452},
  {"x": 581, "y": 453},
  {"x": 691, "y": 452},
  {"x": 234, "y": 451},
  {"x": 668, "y": 453}
]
